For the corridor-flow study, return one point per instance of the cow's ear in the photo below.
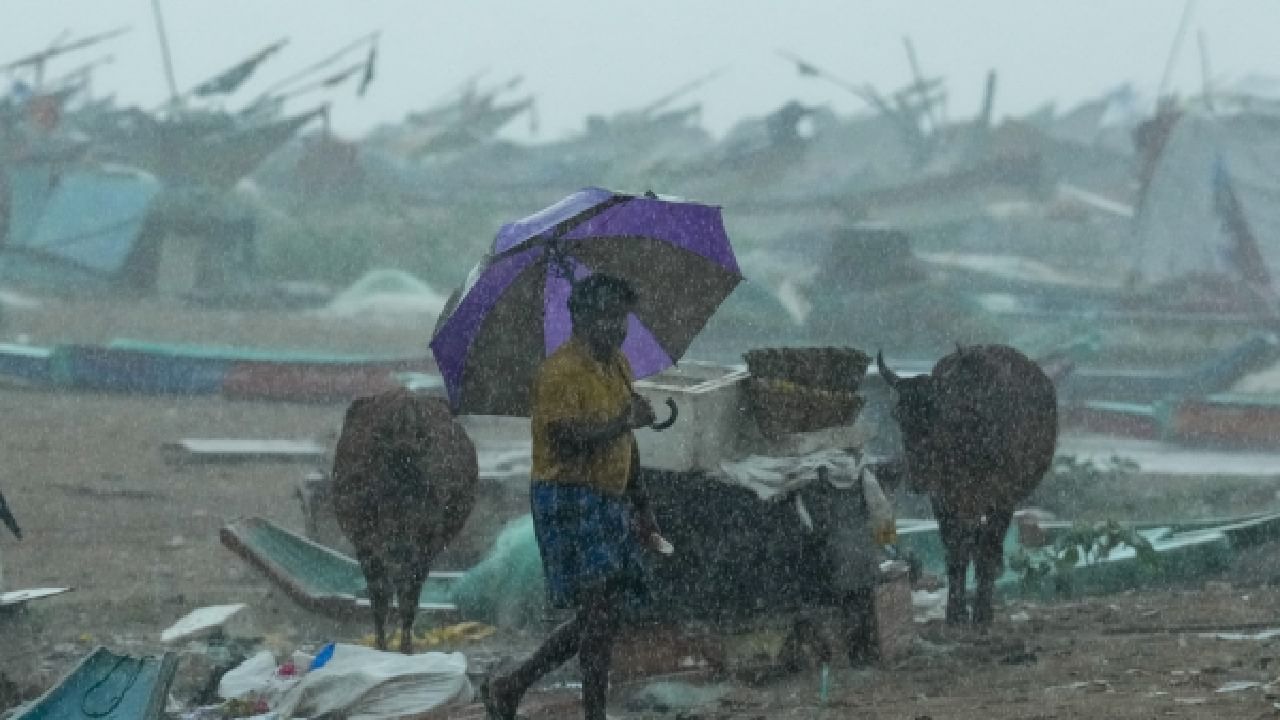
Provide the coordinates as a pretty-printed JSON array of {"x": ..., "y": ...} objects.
[
  {"x": 434, "y": 408},
  {"x": 359, "y": 406}
]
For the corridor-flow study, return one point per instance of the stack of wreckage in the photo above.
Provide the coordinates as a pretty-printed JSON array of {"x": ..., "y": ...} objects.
[
  {"x": 1146, "y": 240},
  {"x": 99, "y": 198},
  {"x": 896, "y": 229}
]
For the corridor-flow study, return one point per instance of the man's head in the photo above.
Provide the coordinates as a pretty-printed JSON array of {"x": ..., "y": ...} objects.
[{"x": 598, "y": 306}]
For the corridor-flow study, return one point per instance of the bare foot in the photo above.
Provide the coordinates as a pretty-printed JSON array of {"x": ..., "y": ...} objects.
[{"x": 497, "y": 704}]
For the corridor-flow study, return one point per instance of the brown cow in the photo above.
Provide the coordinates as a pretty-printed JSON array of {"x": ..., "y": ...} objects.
[
  {"x": 979, "y": 433},
  {"x": 404, "y": 482}
]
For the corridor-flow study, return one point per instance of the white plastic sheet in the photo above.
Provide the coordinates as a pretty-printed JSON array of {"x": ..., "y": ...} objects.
[
  {"x": 361, "y": 683},
  {"x": 769, "y": 476},
  {"x": 257, "y": 678}
]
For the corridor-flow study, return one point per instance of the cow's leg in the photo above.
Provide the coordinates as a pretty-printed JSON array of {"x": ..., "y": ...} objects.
[
  {"x": 379, "y": 586},
  {"x": 409, "y": 591},
  {"x": 957, "y": 544},
  {"x": 989, "y": 562}
]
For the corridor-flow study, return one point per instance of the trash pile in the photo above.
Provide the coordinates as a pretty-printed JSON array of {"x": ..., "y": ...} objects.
[
  {"x": 341, "y": 681},
  {"x": 237, "y": 676}
]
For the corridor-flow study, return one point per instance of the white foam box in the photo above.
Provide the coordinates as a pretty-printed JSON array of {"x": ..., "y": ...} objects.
[
  {"x": 711, "y": 402},
  {"x": 716, "y": 422}
]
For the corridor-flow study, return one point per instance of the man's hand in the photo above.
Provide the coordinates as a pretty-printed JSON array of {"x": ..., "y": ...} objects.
[
  {"x": 572, "y": 438},
  {"x": 642, "y": 414}
]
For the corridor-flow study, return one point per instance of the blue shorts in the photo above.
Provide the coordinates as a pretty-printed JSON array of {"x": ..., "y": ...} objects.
[{"x": 586, "y": 541}]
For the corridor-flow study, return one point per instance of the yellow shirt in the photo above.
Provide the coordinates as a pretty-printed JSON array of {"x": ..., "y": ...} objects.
[{"x": 572, "y": 385}]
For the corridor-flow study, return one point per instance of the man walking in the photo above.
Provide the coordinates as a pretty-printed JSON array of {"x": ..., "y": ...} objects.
[{"x": 588, "y": 512}]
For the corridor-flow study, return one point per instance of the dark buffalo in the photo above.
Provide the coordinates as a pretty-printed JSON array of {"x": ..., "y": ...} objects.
[
  {"x": 404, "y": 483},
  {"x": 979, "y": 433}
]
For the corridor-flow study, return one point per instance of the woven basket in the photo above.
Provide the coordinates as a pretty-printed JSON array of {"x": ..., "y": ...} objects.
[
  {"x": 782, "y": 408},
  {"x": 828, "y": 368}
]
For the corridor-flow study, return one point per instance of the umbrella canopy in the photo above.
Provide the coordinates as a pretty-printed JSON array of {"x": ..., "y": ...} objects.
[{"x": 513, "y": 310}]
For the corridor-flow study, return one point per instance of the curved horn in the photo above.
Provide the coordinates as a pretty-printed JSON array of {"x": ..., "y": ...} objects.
[{"x": 889, "y": 376}]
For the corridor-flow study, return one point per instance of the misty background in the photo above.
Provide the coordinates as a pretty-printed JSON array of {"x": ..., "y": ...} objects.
[{"x": 582, "y": 57}]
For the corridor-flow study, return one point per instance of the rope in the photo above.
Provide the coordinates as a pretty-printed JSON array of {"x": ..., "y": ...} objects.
[{"x": 119, "y": 697}]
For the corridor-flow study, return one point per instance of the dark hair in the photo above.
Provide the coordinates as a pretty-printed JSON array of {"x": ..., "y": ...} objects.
[{"x": 597, "y": 291}]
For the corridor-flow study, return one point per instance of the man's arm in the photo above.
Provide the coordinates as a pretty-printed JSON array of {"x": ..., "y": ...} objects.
[
  {"x": 575, "y": 438},
  {"x": 636, "y": 489},
  {"x": 638, "y": 493},
  {"x": 558, "y": 401}
]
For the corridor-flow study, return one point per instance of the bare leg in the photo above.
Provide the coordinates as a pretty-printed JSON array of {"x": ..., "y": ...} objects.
[
  {"x": 379, "y": 586},
  {"x": 988, "y": 562},
  {"x": 600, "y": 624},
  {"x": 505, "y": 691},
  {"x": 408, "y": 594},
  {"x": 957, "y": 543},
  {"x": 859, "y": 626}
]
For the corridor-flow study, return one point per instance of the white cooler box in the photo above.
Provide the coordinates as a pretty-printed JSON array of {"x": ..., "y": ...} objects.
[
  {"x": 710, "y": 399},
  {"x": 716, "y": 423}
]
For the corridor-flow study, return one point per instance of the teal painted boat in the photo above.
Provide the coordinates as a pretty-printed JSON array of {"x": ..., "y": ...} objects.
[
  {"x": 1186, "y": 549},
  {"x": 106, "y": 686},
  {"x": 330, "y": 582},
  {"x": 234, "y": 353},
  {"x": 314, "y": 576}
]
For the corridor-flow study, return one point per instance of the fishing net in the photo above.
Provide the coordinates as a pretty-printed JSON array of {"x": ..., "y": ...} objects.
[{"x": 506, "y": 588}]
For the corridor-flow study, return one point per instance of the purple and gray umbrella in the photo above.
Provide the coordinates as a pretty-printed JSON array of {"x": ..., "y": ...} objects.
[{"x": 513, "y": 311}]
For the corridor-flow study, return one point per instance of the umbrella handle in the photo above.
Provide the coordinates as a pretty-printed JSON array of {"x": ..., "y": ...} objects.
[{"x": 675, "y": 413}]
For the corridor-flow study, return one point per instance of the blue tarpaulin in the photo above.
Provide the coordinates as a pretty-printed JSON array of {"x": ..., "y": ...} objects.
[{"x": 88, "y": 217}]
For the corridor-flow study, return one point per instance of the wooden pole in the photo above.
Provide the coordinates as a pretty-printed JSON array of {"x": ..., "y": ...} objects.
[
  {"x": 164, "y": 50},
  {"x": 988, "y": 101},
  {"x": 1177, "y": 47},
  {"x": 922, "y": 89},
  {"x": 1206, "y": 77},
  {"x": 337, "y": 55}
]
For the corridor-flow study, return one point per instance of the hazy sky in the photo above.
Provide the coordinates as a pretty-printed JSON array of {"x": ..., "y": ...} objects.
[{"x": 582, "y": 56}]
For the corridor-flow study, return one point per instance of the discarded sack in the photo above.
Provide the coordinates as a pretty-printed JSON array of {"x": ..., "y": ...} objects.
[{"x": 360, "y": 683}]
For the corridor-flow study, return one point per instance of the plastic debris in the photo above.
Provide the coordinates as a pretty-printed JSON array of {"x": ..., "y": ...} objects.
[
  {"x": 207, "y": 622},
  {"x": 1258, "y": 636},
  {"x": 255, "y": 679},
  {"x": 14, "y": 598},
  {"x": 364, "y": 684},
  {"x": 451, "y": 635},
  {"x": 1238, "y": 685},
  {"x": 668, "y": 695},
  {"x": 324, "y": 656}
]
